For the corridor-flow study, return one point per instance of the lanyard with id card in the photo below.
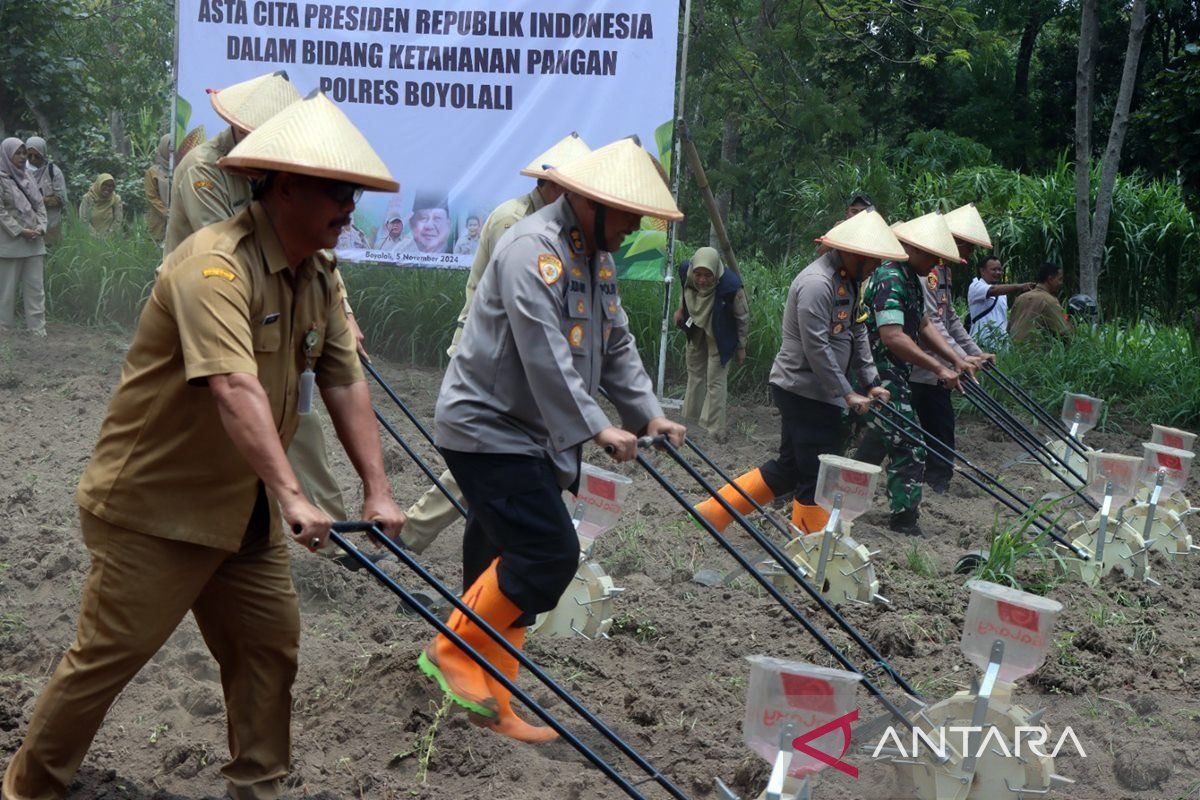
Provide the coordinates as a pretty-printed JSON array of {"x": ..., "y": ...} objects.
[{"x": 308, "y": 378}]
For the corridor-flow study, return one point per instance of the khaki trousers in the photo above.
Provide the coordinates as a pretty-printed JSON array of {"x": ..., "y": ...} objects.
[
  {"x": 28, "y": 274},
  {"x": 706, "y": 386},
  {"x": 138, "y": 589},
  {"x": 431, "y": 515},
  {"x": 310, "y": 462}
]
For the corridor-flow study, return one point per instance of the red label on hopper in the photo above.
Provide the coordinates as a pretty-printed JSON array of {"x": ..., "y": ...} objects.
[
  {"x": 1167, "y": 461},
  {"x": 1172, "y": 440},
  {"x": 1020, "y": 616},
  {"x": 856, "y": 478},
  {"x": 812, "y": 694},
  {"x": 1083, "y": 406},
  {"x": 602, "y": 487}
]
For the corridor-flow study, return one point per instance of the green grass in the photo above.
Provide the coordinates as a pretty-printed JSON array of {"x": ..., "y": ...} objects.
[
  {"x": 1143, "y": 369},
  {"x": 920, "y": 563},
  {"x": 1017, "y": 559}
]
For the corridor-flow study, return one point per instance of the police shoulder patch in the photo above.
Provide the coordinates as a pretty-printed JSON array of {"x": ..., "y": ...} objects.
[
  {"x": 218, "y": 272},
  {"x": 202, "y": 184},
  {"x": 550, "y": 268},
  {"x": 933, "y": 279}
]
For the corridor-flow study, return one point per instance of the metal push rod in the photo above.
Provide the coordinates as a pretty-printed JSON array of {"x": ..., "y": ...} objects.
[
  {"x": 785, "y": 562},
  {"x": 770, "y": 588},
  {"x": 498, "y": 638},
  {"x": 1017, "y": 424},
  {"x": 374, "y": 373},
  {"x": 1026, "y": 399},
  {"x": 1052, "y": 425},
  {"x": 1034, "y": 449},
  {"x": 420, "y": 462},
  {"x": 1003, "y": 414},
  {"x": 757, "y": 506},
  {"x": 921, "y": 437}
]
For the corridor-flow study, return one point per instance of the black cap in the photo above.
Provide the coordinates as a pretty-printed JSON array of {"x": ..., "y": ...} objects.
[
  {"x": 860, "y": 199},
  {"x": 430, "y": 198}
]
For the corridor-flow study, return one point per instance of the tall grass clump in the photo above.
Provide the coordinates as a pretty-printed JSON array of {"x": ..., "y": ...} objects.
[
  {"x": 1145, "y": 371},
  {"x": 100, "y": 280}
]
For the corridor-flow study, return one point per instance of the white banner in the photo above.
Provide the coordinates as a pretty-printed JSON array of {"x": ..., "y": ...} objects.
[{"x": 456, "y": 100}]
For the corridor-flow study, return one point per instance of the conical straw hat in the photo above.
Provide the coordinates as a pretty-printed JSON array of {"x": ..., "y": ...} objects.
[
  {"x": 620, "y": 175},
  {"x": 966, "y": 224},
  {"x": 931, "y": 234},
  {"x": 867, "y": 234},
  {"x": 249, "y": 104},
  {"x": 312, "y": 137},
  {"x": 568, "y": 148}
]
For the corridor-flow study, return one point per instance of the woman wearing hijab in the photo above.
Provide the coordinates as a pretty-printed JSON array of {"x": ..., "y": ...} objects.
[
  {"x": 158, "y": 190},
  {"x": 101, "y": 209},
  {"x": 716, "y": 318},
  {"x": 53, "y": 184},
  {"x": 22, "y": 239}
]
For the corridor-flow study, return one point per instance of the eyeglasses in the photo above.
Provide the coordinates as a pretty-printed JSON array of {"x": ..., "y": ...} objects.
[{"x": 341, "y": 192}]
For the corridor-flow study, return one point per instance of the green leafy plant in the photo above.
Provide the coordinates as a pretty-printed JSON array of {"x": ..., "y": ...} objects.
[{"x": 1015, "y": 558}]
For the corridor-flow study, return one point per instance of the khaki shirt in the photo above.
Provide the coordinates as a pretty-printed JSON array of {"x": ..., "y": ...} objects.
[
  {"x": 225, "y": 302},
  {"x": 824, "y": 336},
  {"x": 546, "y": 332},
  {"x": 1036, "y": 310},
  {"x": 202, "y": 193},
  {"x": 939, "y": 307},
  {"x": 507, "y": 214}
]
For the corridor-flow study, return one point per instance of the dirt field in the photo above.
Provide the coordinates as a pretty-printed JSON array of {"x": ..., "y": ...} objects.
[{"x": 670, "y": 680}]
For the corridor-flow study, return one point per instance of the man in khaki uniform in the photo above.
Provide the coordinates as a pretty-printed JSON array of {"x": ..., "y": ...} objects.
[
  {"x": 181, "y": 503},
  {"x": 202, "y": 194},
  {"x": 546, "y": 332},
  {"x": 1038, "y": 312},
  {"x": 433, "y": 513}
]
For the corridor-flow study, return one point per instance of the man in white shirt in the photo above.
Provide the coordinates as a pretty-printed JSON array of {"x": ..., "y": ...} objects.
[{"x": 987, "y": 301}]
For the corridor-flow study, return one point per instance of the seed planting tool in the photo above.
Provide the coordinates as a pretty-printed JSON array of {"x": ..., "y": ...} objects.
[
  {"x": 1164, "y": 473},
  {"x": 1024, "y": 400},
  {"x": 498, "y": 640},
  {"x": 1080, "y": 414},
  {"x": 586, "y": 608},
  {"x": 1054, "y": 464},
  {"x": 1006, "y": 634},
  {"x": 892, "y": 419},
  {"x": 770, "y": 588},
  {"x": 796, "y": 713},
  {"x": 841, "y": 567},
  {"x": 1112, "y": 481},
  {"x": 1179, "y": 440}
]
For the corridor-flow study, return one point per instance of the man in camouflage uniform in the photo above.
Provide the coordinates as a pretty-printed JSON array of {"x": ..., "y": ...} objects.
[{"x": 897, "y": 325}]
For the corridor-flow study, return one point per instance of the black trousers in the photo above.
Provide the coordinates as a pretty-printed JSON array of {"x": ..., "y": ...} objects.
[
  {"x": 808, "y": 428},
  {"x": 936, "y": 414},
  {"x": 516, "y": 513}
]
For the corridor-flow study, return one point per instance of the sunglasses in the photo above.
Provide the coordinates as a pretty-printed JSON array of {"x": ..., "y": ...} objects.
[{"x": 340, "y": 191}]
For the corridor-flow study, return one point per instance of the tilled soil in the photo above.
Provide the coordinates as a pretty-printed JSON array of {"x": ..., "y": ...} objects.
[{"x": 670, "y": 680}]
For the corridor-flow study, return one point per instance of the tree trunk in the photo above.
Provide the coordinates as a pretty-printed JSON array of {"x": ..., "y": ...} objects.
[
  {"x": 1029, "y": 37},
  {"x": 1116, "y": 139},
  {"x": 729, "y": 143},
  {"x": 1085, "y": 69},
  {"x": 118, "y": 138}
]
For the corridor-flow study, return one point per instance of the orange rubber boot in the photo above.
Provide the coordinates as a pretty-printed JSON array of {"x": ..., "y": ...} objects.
[
  {"x": 460, "y": 677},
  {"x": 752, "y": 483},
  {"x": 810, "y": 519},
  {"x": 506, "y": 722}
]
